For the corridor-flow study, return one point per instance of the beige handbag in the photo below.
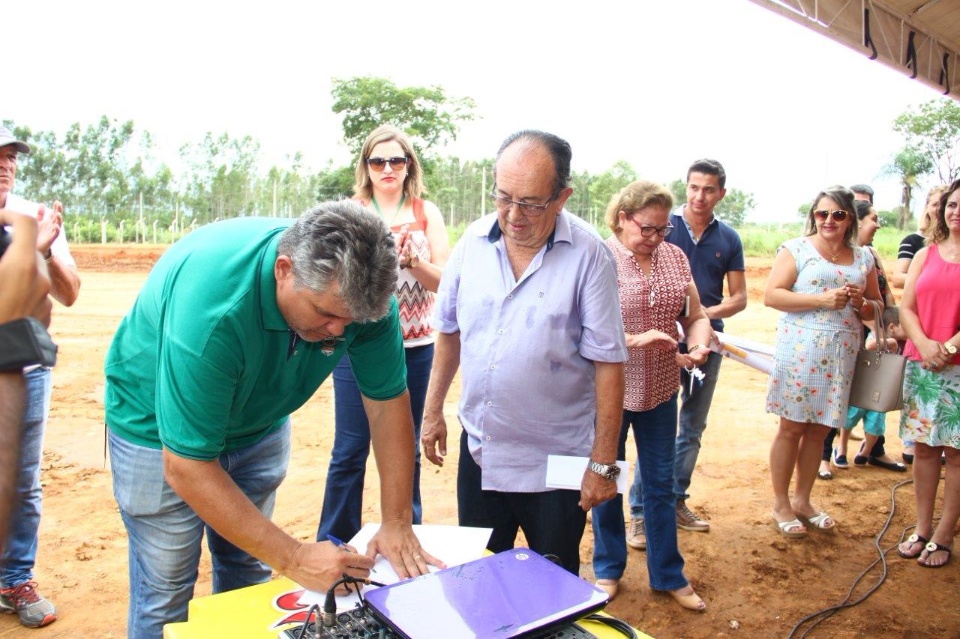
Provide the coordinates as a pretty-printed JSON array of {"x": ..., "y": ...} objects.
[{"x": 878, "y": 376}]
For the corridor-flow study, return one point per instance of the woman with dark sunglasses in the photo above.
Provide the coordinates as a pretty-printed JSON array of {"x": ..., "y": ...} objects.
[
  {"x": 388, "y": 180},
  {"x": 820, "y": 281}
]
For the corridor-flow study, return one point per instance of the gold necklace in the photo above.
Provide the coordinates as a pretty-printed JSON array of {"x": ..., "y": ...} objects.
[
  {"x": 954, "y": 253},
  {"x": 833, "y": 257}
]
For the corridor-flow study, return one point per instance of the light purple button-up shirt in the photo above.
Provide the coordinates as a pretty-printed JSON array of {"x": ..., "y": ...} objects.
[{"x": 527, "y": 347}]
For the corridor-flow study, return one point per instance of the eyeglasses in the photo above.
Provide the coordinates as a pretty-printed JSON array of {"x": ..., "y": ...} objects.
[
  {"x": 396, "y": 163},
  {"x": 529, "y": 209},
  {"x": 650, "y": 231},
  {"x": 838, "y": 216}
]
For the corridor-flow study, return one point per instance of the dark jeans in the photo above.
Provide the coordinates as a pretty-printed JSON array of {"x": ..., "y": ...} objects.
[
  {"x": 655, "y": 433},
  {"x": 551, "y": 521},
  {"x": 343, "y": 495}
]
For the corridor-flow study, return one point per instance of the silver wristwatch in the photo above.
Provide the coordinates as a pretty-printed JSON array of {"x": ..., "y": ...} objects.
[{"x": 607, "y": 471}]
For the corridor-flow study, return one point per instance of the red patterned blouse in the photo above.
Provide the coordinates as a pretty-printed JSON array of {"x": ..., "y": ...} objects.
[{"x": 651, "y": 302}]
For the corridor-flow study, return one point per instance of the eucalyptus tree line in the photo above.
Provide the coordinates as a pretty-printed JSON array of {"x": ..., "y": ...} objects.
[
  {"x": 107, "y": 174},
  {"x": 932, "y": 136}
]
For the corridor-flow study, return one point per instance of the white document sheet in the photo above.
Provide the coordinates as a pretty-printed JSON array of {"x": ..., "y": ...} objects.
[
  {"x": 565, "y": 471},
  {"x": 453, "y": 545}
]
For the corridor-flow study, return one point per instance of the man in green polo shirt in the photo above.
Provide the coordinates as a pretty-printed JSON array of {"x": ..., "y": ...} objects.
[{"x": 237, "y": 326}]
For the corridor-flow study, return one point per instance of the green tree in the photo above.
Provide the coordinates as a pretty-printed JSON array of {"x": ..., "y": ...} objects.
[
  {"x": 288, "y": 190},
  {"x": 889, "y": 218},
  {"x": 41, "y": 175},
  {"x": 934, "y": 132},
  {"x": 426, "y": 114},
  {"x": 222, "y": 182},
  {"x": 580, "y": 202},
  {"x": 98, "y": 159},
  {"x": 909, "y": 165},
  {"x": 679, "y": 190},
  {"x": 460, "y": 189},
  {"x": 734, "y": 206},
  {"x": 732, "y": 209},
  {"x": 602, "y": 188},
  {"x": 105, "y": 169},
  {"x": 333, "y": 183}
]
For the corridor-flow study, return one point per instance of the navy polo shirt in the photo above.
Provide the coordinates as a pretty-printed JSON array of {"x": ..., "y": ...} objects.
[{"x": 718, "y": 252}]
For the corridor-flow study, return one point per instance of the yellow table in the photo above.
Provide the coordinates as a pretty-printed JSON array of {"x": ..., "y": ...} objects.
[{"x": 262, "y": 611}]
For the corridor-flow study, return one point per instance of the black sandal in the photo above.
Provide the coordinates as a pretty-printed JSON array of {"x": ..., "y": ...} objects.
[
  {"x": 896, "y": 467},
  {"x": 933, "y": 547},
  {"x": 914, "y": 539}
]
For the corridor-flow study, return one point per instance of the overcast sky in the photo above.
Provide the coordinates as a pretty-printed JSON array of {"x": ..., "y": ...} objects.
[{"x": 656, "y": 83}]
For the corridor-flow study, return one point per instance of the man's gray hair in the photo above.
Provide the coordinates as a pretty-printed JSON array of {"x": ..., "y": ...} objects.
[{"x": 345, "y": 243}]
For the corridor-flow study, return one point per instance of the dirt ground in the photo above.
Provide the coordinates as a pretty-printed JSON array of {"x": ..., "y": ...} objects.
[{"x": 756, "y": 582}]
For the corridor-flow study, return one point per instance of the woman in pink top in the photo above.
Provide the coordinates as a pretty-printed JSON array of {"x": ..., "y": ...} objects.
[
  {"x": 930, "y": 316},
  {"x": 656, "y": 292}
]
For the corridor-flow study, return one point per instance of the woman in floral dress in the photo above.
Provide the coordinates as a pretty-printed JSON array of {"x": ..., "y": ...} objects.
[
  {"x": 930, "y": 316},
  {"x": 820, "y": 282}
]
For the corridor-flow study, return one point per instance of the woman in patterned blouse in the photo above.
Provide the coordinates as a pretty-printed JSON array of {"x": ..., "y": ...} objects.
[{"x": 656, "y": 292}]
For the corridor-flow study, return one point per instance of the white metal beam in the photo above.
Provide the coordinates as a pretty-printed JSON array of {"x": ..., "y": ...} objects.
[{"x": 881, "y": 33}]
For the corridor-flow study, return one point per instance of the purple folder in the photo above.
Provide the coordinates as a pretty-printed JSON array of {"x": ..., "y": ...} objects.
[{"x": 514, "y": 593}]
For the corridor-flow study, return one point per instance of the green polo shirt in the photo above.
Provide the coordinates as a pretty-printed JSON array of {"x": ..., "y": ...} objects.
[{"x": 202, "y": 364}]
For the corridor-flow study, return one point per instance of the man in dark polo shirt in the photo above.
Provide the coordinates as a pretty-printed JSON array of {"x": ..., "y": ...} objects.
[
  {"x": 716, "y": 254},
  {"x": 237, "y": 326}
]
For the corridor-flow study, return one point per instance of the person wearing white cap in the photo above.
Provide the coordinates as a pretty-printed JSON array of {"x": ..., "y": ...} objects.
[{"x": 18, "y": 593}]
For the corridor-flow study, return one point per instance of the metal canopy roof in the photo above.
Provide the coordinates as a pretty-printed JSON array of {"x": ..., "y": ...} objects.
[{"x": 920, "y": 38}]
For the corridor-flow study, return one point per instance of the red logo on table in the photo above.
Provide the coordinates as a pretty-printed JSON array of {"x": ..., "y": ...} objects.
[{"x": 289, "y": 602}]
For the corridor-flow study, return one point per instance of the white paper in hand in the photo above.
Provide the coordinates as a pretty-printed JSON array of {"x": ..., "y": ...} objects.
[{"x": 566, "y": 471}]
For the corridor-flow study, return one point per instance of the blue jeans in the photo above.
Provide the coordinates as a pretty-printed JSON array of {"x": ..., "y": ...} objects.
[
  {"x": 164, "y": 534},
  {"x": 693, "y": 421},
  {"x": 20, "y": 553},
  {"x": 343, "y": 495},
  {"x": 655, "y": 432},
  {"x": 552, "y": 521}
]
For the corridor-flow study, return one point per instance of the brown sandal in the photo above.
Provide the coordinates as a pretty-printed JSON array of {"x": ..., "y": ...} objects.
[
  {"x": 931, "y": 548},
  {"x": 913, "y": 539}
]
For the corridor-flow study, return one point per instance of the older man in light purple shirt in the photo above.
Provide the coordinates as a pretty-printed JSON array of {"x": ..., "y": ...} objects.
[{"x": 528, "y": 305}]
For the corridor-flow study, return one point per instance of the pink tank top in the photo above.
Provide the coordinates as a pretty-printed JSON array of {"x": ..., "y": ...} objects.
[{"x": 938, "y": 301}]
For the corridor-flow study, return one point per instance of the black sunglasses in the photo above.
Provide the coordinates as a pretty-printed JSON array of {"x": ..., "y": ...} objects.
[
  {"x": 396, "y": 163},
  {"x": 838, "y": 216}
]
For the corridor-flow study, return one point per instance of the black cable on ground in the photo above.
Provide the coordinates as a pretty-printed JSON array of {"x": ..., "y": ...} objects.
[
  {"x": 617, "y": 624},
  {"x": 822, "y": 615}
]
